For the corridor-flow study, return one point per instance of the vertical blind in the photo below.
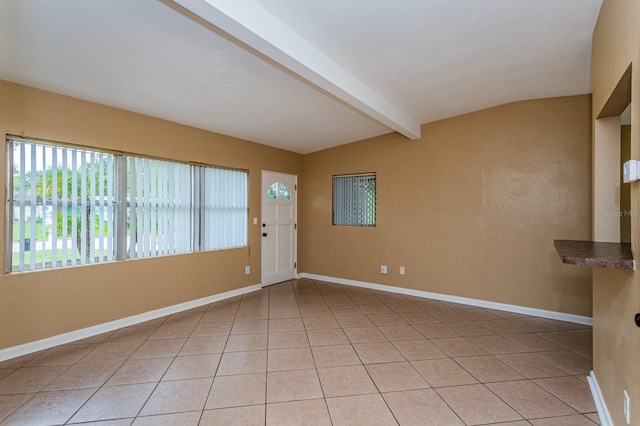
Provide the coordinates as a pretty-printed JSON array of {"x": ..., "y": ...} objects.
[
  {"x": 75, "y": 206},
  {"x": 354, "y": 200}
]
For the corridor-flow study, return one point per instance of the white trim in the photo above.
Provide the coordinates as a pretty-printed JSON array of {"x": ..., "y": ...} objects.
[
  {"x": 560, "y": 316},
  {"x": 61, "y": 339},
  {"x": 601, "y": 406}
]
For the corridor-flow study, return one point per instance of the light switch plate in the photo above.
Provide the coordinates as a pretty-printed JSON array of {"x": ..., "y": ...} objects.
[{"x": 630, "y": 171}]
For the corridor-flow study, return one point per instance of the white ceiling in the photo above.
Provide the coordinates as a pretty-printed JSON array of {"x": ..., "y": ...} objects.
[{"x": 420, "y": 60}]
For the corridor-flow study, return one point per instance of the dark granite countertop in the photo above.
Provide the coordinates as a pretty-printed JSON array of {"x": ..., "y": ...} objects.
[{"x": 596, "y": 254}]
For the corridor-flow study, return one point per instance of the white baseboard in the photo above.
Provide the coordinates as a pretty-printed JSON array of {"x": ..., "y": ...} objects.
[
  {"x": 601, "y": 406},
  {"x": 560, "y": 316},
  {"x": 61, "y": 339}
]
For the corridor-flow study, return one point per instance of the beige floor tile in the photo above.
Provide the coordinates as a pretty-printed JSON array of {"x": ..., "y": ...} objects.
[
  {"x": 345, "y": 310},
  {"x": 447, "y": 316},
  {"x": 250, "y": 327},
  {"x": 315, "y": 311},
  {"x": 501, "y": 326},
  {"x": 132, "y": 334},
  {"x": 381, "y": 320},
  {"x": 531, "y": 366},
  {"x": 280, "y": 325},
  {"x": 496, "y": 344},
  {"x": 571, "y": 390},
  {"x": 352, "y": 321},
  {"x": 477, "y": 314},
  {"x": 246, "y": 342},
  {"x": 50, "y": 407},
  {"x": 289, "y": 339},
  {"x": 177, "y": 396},
  {"x": 140, "y": 371},
  {"x": 327, "y": 337},
  {"x": 565, "y": 340},
  {"x": 4, "y": 372},
  {"x": 342, "y": 381},
  {"x": 469, "y": 328},
  {"x": 238, "y": 416},
  {"x": 293, "y": 385},
  {"x": 79, "y": 376},
  {"x": 204, "y": 329},
  {"x": 115, "y": 402},
  {"x": 284, "y": 313},
  {"x": 203, "y": 345},
  {"x": 112, "y": 352},
  {"x": 335, "y": 356},
  {"x": 575, "y": 420},
  {"x": 252, "y": 314},
  {"x": 173, "y": 331},
  {"x": 190, "y": 317},
  {"x": 192, "y": 367},
  {"x": 415, "y": 318},
  {"x": 415, "y": 350},
  {"x": 570, "y": 362},
  {"x": 177, "y": 419},
  {"x": 30, "y": 379},
  {"x": 488, "y": 369},
  {"x": 377, "y": 308},
  {"x": 371, "y": 353},
  {"x": 222, "y": 315},
  {"x": 242, "y": 363},
  {"x": 435, "y": 330},
  {"x": 303, "y": 413},
  {"x": 475, "y": 404},
  {"x": 290, "y": 359},
  {"x": 365, "y": 335},
  {"x": 397, "y": 333},
  {"x": 530, "y": 400},
  {"x": 443, "y": 372},
  {"x": 458, "y": 346},
  {"x": 320, "y": 323},
  {"x": 421, "y": 407},
  {"x": 396, "y": 376},
  {"x": 238, "y": 390},
  {"x": 367, "y": 410},
  {"x": 594, "y": 417},
  {"x": 10, "y": 403},
  {"x": 20, "y": 361},
  {"x": 586, "y": 353},
  {"x": 532, "y": 342},
  {"x": 158, "y": 348},
  {"x": 532, "y": 325},
  {"x": 62, "y": 355}
]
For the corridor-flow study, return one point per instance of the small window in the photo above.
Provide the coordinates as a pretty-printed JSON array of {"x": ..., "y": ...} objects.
[
  {"x": 278, "y": 190},
  {"x": 354, "y": 200}
]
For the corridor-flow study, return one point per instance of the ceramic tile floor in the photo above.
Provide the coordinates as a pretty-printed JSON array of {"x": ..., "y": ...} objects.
[{"x": 312, "y": 353}]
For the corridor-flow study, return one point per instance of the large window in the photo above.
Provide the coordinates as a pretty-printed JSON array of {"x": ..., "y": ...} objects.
[
  {"x": 354, "y": 200},
  {"x": 71, "y": 206}
]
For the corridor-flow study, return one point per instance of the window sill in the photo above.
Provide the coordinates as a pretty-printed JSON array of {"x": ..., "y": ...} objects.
[{"x": 594, "y": 254}]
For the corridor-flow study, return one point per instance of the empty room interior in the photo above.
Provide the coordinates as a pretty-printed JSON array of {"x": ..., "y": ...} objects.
[{"x": 294, "y": 212}]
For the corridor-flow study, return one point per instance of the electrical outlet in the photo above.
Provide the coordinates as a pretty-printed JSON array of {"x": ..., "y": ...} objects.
[
  {"x": 247, "y": 270},
  {"x": 383, "y": 269},
  {"x": 627, "y": 408},
  {"x": 402, "y": 270}
]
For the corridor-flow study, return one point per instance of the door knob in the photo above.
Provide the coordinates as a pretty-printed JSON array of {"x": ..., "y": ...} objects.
[{"x": 264, "y": 234}]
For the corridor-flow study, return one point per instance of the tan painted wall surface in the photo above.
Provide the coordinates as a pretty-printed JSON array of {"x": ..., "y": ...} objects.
[
  {"x": 616, "y": 294},
  {"x": 471, "y": 209},
  {"x": 40, "y": 304}
]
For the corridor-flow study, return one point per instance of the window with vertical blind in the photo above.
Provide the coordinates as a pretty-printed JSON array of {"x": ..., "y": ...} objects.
[
  {"x": 73, "y": 206},
  {"x": 354, "y": 200}
]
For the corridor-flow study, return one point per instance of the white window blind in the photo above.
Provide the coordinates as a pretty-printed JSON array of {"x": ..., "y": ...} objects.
[
  {"x": 354, "y": 200},
  {"x": 160, "y": 207},
  {"x": 62, "y": 206},
  {"x": 75, "y": 206},
  {"x": 225, "y": 208}
]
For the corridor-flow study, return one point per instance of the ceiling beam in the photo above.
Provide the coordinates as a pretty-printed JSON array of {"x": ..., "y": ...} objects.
[{"x": 250, "y": 23}]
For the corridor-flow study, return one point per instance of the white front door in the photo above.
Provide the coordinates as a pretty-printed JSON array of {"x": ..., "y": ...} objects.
[{"x": 279, "y": 208}]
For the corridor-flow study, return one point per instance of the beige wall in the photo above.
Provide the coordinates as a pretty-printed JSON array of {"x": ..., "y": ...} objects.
[
  {"x": 471, "y": 209},
  {"x": 36, "y": 305},
  {"x": 616, "y": 294}
]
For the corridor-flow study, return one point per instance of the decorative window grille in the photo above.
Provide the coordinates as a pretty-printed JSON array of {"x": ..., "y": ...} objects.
[
  {"x": 75, "y": 206},
  {"x": 354, "y": 200}
]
